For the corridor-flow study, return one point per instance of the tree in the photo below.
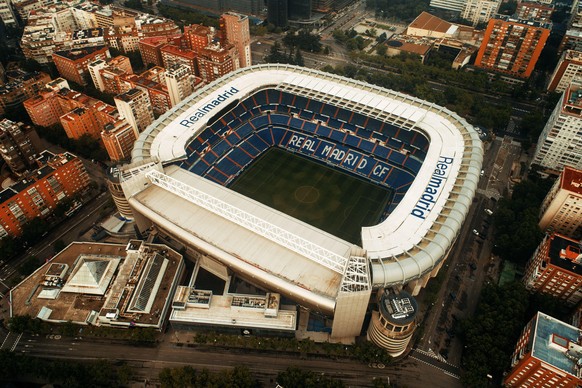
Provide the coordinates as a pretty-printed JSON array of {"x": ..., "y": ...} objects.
[
  {"x": 30, "y": 265},
  {"x": 296, "y": 377},
  {"x": 59, "y": 245},
  {"x": 381, "y": 49},
  {"x": 298, "y": 60}
]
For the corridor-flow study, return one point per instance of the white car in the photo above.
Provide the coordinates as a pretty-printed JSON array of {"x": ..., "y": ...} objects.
[
  {"x": 475, "y": 232},
  {"x": 488, "y": 211}
]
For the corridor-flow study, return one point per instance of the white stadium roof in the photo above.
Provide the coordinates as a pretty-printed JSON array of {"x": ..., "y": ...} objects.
[{"x": 311, "y": 264}]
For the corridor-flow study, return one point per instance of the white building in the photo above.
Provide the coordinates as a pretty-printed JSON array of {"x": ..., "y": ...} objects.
[
  {"x": 561, "y": 210},
  {"x": 560, "y": 143},
  {"x": 6, "y": 13},
  {"x": 181, "y": 82},
  {"x": 94, "y": 68},
  {"x": 449, "y": 5},
  {"x": 480, "y": 11},
  {"x": 135, "y": 106},
  {"x": 568, "y": 69}
]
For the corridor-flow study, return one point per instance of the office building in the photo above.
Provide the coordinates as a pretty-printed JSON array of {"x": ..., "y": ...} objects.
[
  {"x": 568, "y": 69},
  {"x": 512, "y": 46},
  {"x": 181, "y": 83},
  {"x": 480, "y": 11},
  {"x": 277, "y": 13},
  {"x": 116, "y": 285},
  {"x": 118, "y": 139},
  {"x": 546, "y": 355},
  {"x": 561, "y": 211},
  {"x": 560, "y": 143},
  {"x": 556, "y": 269},
  {"x": 57, "y": 177},
  {"x": 216, "y": 61},
  {"x": 392, "y": 326},
  {"x": 73, "y": 65},
  {"x": 234, "y": 28},
  {"x": 135, "y": 106},
  {"x": 16, "y": 146}
]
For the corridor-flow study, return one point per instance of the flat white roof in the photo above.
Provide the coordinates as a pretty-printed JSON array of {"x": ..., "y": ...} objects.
[{"x": 405, "y": 246}]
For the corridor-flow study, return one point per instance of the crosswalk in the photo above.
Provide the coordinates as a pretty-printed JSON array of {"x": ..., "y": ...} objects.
[
  {"x": 10, "y": 341},
  {"x": 436, "y": 361}
]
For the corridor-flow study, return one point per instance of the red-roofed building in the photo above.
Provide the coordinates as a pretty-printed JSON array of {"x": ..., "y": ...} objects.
[
  {"x": 73, "y": 64},
  {"x": 197, "y": 37},
  {"x": 150, "y": 48},
  {"x": 561, "y": 210},
  {"x": 216, "y": 61},
  {"x": 174, "y": 55}
]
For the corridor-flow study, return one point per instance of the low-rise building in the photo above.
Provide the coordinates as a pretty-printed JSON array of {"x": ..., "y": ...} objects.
[{"x": 116, "y": 285}]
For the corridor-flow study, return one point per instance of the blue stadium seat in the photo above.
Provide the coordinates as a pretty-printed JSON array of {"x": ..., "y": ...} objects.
[
  {"x": 273, "y": 96},
  {"x": 300, "y": 102},
  {"x": 373, "y": 125},
  {"x": 287, "y": 99},
  {"x": 278, "y": 119},
  {"x": 314, "y": 106},
  {"x": 381, "y": 152},
  {"x": 296, "y": 124},
  {"x": 228, "y": 167},
  {"x": 379, "y": 136},
  {"x": 199, "y": 168},
  {"x": 394, "y": 143},
  {"x": 233, "y": 138},
  {"x": 353, "y": 141},
  {"x": 412, "y": 164},
  {"x": 221, "y": 148},
  {"x": 260, "y": 98},
  {"x": 309, "y": 127},
  {"x": 217, "y": 176},
  {"x": 306, "y": 115},
  {"x": 344, "y": 115},
  {"x": 349, "y": 127},
  {"x": 249, "y": 148},
  {"x": 209, "y": 158},
  {"x": 323, "y": 131},
  {"x": 389, "y": 129},
  {"x": 405, "y": 136},
  {"x": 366, "y": 145},
  {"x": 244, "y": 130},
  {"x": 256, "y": 141},
  {"x": 239, "y": 110},
  {"x": 419, "y": 141},
  {"x": 278, "y": 134},
  {"x": 358, "y": 119},
  {"x": 260, "y": 122},
  {"x": 285, "y": 139},
  {"x": 328, "y": 110},
  {"x": 397, "y": 158},
  {"x": 336, "y": 124},
  {"x": 337, "y": 135},
  {"x": 364, "y": 134}
]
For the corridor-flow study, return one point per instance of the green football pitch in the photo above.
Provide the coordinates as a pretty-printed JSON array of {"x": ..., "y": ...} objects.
[{"x": 328, "y": 199}]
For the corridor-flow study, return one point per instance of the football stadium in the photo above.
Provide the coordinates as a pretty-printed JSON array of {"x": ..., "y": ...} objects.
[{"x": 322, "y": 190}]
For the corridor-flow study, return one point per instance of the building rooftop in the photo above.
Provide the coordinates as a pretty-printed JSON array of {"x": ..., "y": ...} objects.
[
  {"x": 565, "y": 253},
  {"x": 571, "y": 180},
  {"x": 78, "y": 54},
  {"x": 175, "y": 50},
  {"x": 120, "y": 285},
  {"x": 557, "y": 343},
  {"x": 426, "y": 21},
  {"x": 399, "y": 308}
]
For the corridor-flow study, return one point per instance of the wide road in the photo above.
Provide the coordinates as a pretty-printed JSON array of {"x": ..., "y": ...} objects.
[{"x": 149, "y": 361}]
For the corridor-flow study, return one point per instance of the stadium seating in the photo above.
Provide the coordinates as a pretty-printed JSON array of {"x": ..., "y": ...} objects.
[{"x": 381, "y": 152}]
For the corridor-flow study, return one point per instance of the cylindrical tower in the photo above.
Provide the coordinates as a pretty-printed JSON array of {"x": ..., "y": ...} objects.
[
  {"x": 113, "y": 175},
  {"x": 392, "y": 326}
]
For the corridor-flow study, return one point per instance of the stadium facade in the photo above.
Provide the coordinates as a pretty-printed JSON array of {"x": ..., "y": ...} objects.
[{"x": 183, "y": 163}]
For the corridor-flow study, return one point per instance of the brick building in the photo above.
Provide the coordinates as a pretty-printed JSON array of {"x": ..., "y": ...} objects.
[
  {"x": 73, "y": 65},
  {"x": 196, "y": 37},
  {"x": 135, "y": 106},
  {"x": 512, "y": 46},
  {"x": 546, "y": 355},
  {"x": 57, "y": 178},
  {"x": 556, "y": 269},
  {"x": 173, "y": 55},
  {"x": 216, "y": 61},
  {"x": 150, "y": 48},
  {"x": 118, "y": 139},
  {"x": 18, "y": 146},
  {"x": 21, "y": 88},
  {"x": 234, "y": 29}
]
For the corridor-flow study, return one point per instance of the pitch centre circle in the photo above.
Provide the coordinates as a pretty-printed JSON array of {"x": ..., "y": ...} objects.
[{"x": 306, "y": 194}]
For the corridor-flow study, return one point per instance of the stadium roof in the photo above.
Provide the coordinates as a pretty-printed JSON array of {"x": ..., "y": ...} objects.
[{"x": 410, "y": 243}]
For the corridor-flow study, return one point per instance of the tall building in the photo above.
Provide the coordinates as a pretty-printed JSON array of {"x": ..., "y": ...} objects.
[
  {"x": 512, "y": 46},
  {"x": 58, "y": 177},
  {"x": 216, "y": 61},
  {"x": 16, "y": 147},
  {"x": 547, "y": 354},
  {"x": 173, "y": 55},
  {"x": 561, "y": 211},
  {"x": 94, "y": 71},
  {"x": 234, "y": 28},
  {"x": 556, "y": 269},
  {"x": 107, "y": 74},
  {"x": 560, "y": 143},
  {"x": 299, "y": 9},
  {"x": 6, "y": 13},
  {"x": 15, "y": 92},
  {"x": 480, "y": 11},
  {"x": 449, "y": 5},
  {"x": 196, "y": 37},
  {"x": 81, "y": 121},
  {"x": 150, "y": 48},
  {"x": 73, "y": 64},
  {"x": 277, "y": 13},
  {"x": 135, "y": 106},
  {"x": 44, "y": 109},
  {"x": 568, "y": 69},
  {"x": 113, "y": 180},
  {"x": 392, "y": 326},
  {"x": 157, "y": 91},
  {"x": 181, "y": 83},
  {"x": 118, "y": 139}
]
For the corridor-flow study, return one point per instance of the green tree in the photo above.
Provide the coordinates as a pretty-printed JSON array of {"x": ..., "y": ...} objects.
[
  {"x": 30, "y": 265},
  {"x": 298, "y": 60}
]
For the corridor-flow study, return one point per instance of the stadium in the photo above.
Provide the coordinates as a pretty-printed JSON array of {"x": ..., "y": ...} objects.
[{"x": 317, "y": 187}]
